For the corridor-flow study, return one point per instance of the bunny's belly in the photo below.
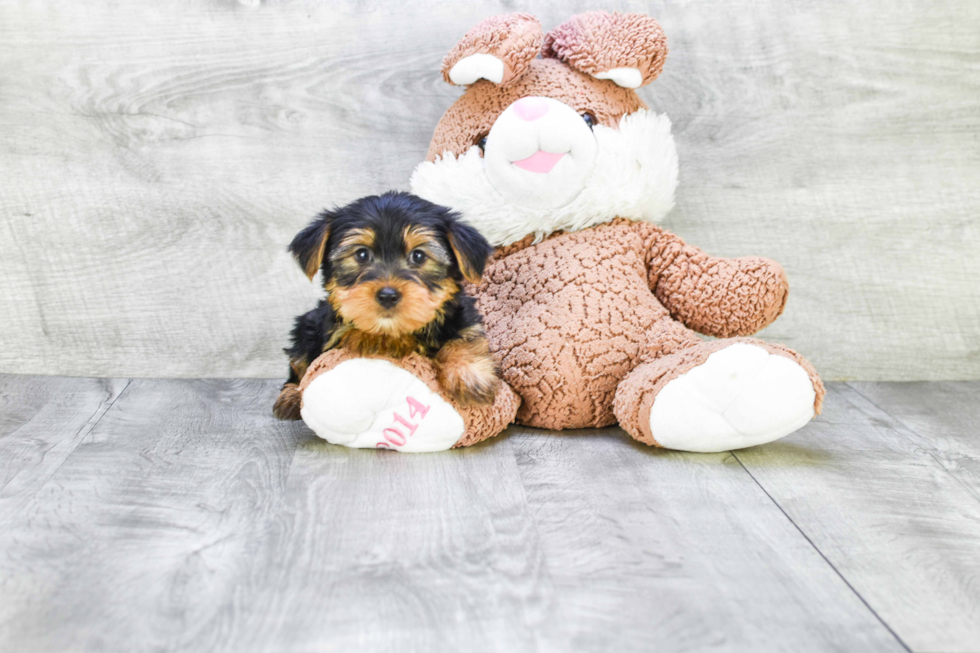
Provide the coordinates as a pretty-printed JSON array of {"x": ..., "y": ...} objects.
[{"x": 567, "y": 319}]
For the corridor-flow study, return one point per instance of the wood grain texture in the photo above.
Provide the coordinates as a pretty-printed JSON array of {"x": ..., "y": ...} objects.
[
  {"x": 682, "y": 552},
  {"x": 399, "y": 553},
  {"x": 142, "y": 537},
  {"x": 946, "y": 425},
  {"x": 42, "y": 420},
  {"x": 157, "y": 157},
  {"x": 187, "y": 519},
  {"x": 900, "y": 527}
]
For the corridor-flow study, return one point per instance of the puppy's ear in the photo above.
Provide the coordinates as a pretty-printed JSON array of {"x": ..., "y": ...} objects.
[
  {"x": 470, "y": 249},
  {"x": 498, "y": 49},
  {"x": 310, "y": 244}
]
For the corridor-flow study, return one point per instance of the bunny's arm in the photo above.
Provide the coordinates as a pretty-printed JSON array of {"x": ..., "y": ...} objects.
[{"x": 715, "y": 296}]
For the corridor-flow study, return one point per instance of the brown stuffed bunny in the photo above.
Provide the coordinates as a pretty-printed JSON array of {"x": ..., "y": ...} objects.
[{"x": 591, "y": 310}]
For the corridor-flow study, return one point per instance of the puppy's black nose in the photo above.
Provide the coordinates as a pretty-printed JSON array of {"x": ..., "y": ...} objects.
[{"x": 388, "y": 296}]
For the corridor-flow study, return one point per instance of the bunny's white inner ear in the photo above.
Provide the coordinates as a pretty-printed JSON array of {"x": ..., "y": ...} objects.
[
  {"x": 469, "y": 69},
  {"x": 625, "y": 77}
]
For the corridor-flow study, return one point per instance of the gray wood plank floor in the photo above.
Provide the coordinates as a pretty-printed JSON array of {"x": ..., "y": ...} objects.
[{"x": 178, "y": 515}]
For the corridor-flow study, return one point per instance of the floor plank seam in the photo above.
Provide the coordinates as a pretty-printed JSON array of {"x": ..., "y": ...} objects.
[
  {"x": 17, "y": 430},
  {"x": 821, "y": 554},
  {"x": 23, "y": 426},
  {"x": 904, "y": 428},
  {"x": 79, "y": 435}
]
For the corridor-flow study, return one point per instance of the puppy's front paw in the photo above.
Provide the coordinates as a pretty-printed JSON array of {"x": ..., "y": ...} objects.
[
  {"x": 288, "y": 403},
  {"x": 467, "y": 371},
  {"x": 470, "y": 388}
]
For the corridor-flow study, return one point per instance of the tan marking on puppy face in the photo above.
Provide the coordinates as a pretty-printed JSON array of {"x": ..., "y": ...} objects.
[
  {"x": 343, "y": 254},
  {"x": 466, "y": 369},
  {"x": 417, "y": 307},
  {"x": 370, "y": 328},
  {"x": 474, "y": 113},
  {"x": 418, "y": 237},
  {"x": 342, "y": 257},
  {"x": 357, "y": 237}
]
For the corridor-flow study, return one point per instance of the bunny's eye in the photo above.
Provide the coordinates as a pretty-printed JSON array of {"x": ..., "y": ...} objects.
[
  {"x": 481, "y": 142},
  {"x": 589, "y": 119}
]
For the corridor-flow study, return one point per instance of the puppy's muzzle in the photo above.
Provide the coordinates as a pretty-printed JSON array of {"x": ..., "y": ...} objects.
[{"x": 388, "y": 297}]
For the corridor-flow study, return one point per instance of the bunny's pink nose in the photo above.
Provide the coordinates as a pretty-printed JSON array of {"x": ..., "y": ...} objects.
[{"x": 531, "y": 108}]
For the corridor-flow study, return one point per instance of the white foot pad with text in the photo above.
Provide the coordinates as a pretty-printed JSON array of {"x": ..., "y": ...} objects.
[{"x": 370, "y": 403}]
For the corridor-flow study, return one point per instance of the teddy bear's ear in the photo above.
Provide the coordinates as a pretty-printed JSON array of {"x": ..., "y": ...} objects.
[
  {"x": 499, "y": 49},
  {"x": 628, "y": 49}
]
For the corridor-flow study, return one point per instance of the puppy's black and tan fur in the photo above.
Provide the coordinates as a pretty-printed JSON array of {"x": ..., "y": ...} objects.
[{"x": 393, "y": 266}]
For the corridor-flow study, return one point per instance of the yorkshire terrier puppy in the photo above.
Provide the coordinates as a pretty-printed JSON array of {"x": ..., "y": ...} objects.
[{"x": 393, "y": 266}]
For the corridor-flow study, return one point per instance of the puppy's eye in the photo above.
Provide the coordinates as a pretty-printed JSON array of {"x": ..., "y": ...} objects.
[
  {"x": 417, "y": 257},
  {"x": 589, "y": 119},
  {"x": 362, "y": 255}
]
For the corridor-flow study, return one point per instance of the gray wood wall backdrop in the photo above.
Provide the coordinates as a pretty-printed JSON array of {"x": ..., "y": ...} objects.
[{"x": 156, "y": 157}]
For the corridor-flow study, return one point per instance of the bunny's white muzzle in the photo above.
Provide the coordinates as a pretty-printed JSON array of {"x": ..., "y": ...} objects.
[{"x": 540, "y": 153}]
